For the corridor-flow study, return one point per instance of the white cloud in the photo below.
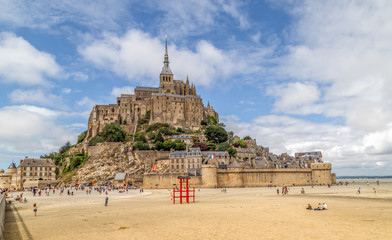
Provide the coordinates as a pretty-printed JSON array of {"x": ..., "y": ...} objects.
[
  {"x": 116, "y": 92},
  {"x": 30, "y": 129},
  {"x": 36, "y": 96},
  {"x": 86, "y": 102},
  {"x": 139, "y": 57},
  {"x": 66, "y": 90},
  {"x": 296, "y": 97},
  {"x": 346, "y": 53},
  {"x": 21, "y": 63}
]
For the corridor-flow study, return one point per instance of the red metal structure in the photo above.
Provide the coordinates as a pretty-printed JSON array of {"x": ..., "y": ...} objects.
[{"x": 184, "y": 193}]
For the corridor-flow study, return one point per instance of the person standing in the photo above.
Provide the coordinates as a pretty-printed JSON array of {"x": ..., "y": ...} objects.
[
  {"x": 106, "y": 201},
  {"x": 35, "y": 208}
]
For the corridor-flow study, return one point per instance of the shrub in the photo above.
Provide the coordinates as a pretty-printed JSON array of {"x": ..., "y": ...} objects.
[
  {"x": 82, "y": 136},
  {"x": 97, "y": 139},
  {"x": 113, "y": 133}
]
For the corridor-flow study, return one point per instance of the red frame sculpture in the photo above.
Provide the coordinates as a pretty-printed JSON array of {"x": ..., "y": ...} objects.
[{"x": 181, "y": 191}]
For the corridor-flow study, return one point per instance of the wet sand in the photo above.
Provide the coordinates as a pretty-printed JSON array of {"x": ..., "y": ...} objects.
[{"x": 240, "y": 213}]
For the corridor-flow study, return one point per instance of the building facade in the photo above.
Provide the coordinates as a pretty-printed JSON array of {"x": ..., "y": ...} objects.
[
  {"x": 30, "y": 172},
  {"x": 174, "y": 102}
]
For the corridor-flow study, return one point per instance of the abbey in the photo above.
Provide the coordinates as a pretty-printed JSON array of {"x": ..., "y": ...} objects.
[{"x": 173, "y": 102}]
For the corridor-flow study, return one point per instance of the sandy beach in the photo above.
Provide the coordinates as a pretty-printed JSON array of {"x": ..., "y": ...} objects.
[{"x": 240, "y": 213}]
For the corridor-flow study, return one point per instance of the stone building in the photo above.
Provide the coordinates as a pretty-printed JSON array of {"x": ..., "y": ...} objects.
[
  {"x": 30, "y": 172},
  {"x": 188, "y": 161},
  {"x": 174, "y": 102},
  {"x": 10, "y": 179}
]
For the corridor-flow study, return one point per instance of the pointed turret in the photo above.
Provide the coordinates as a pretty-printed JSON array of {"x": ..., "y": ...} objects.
[
  {"x": 208, "y": 105},
  {"x": 166, "y": 76},
  {"x": 166, "y": 69}
]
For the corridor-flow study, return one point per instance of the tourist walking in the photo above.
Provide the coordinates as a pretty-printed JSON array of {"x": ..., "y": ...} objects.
[{"x": 106, "y": 201}]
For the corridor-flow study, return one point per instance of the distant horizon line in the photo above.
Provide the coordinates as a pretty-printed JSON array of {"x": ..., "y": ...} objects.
[{"x": 362, "y": 176}]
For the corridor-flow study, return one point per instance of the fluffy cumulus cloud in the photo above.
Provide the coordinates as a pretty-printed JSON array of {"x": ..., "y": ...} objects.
[
  {"x": 21, "y": 63},
  {"x": 296, "y": 97},
  {"x": 37, "y": 96},
  {"x": 137, "y": 55},
  {"x": 344, "y": 47},
  {"x": 31, "y": 129}
]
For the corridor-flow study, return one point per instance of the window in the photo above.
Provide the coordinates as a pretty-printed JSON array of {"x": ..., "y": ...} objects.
[
  {"x": 40, "y": 174},
  {"x": 189, "y": 166},
  {"x": 24, "y": 174},
  {"x": 197, "y": 165},
  {"x": 24, "y": 168},
  {"x": 50, "y": 174},
  {"x": 35, "y": 174},
  {"x": 45, "y": 174},
  {"x": 172, "y": 166},
  {"x": 193, "y": 165},
  {"x": 178, "y": 161},
  {"x": 177, "y": 166},
  {"x": 31, "y": 174},
  {"x": 182, "y": 166}
]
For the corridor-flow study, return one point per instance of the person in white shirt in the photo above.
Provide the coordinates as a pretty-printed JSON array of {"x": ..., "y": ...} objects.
[{"x": 325, "y": 207}]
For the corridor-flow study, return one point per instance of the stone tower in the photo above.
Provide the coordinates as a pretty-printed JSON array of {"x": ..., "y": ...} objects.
[{"x": 166, "y": 82}]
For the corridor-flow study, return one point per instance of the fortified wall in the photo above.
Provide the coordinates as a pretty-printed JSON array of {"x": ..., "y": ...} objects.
[{"x": 319, "y": 173}]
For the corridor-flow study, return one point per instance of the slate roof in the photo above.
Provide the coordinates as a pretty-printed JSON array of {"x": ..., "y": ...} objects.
[
  {"x": 120, "y": 176},
  {"x": 234, "y": 164},
  {"x": 12, "y": 165},
  {"x": 37, "y": 162}
]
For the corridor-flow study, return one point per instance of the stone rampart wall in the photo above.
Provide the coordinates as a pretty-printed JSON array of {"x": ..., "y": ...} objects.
[
  {"x": 102, "y": 147},
  {"x": 167, "y": 180},
  {"x": 238, "y": 177}
]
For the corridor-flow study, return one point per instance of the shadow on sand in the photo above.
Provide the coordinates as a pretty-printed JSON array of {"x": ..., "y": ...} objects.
[{"x": 11, "y": 228}]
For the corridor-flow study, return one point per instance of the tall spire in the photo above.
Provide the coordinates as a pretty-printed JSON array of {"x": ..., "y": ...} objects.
[{"x": 166, "y": 69}]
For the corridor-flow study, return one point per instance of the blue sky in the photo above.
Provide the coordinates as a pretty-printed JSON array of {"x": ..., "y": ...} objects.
[{"x": 295, "y": 75}]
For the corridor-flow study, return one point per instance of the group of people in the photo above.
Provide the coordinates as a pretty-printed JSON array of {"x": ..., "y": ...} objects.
[{"x": 319, "y": 207}]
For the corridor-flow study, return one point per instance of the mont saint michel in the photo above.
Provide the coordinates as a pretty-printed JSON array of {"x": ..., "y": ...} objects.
[{"x": 195, "y": 120}]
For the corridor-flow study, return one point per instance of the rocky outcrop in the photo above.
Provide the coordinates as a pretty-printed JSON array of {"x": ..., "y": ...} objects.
[{"x": 107, "y": 159}]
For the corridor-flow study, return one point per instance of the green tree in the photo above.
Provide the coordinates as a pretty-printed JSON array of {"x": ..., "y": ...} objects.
[
  {"x": 159, "y": 145},
  {"x": 140, "y": 138},
  {"x": 168, "y": 144},
  {"x": 211, "y": 120},
  {"x": 223, "y": 146},
  {"x": 97, "y": 139},
  {"x": 65, "y": 147},
  {"x": 231, "y": 152},
  {"x": 211, "y": 145},
  {"x": 141, "y": 146},
  {"x": 240, "y": 142},
  {"x": 247, "y": 138},
  {"x": 82, "y": 136},
  {"x": 151, "y": 136},
  {"x": 203, "y": 123},
  {"x": 113, "y": 133},
  {"x": 216, "y": 134},
  {"x": 159, "y": 138},
  {"x": 179, "y": 146}
]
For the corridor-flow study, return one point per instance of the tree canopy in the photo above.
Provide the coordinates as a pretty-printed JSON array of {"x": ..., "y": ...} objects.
[
  {"x": 113, "y": 133},
  {"x": 216, "y": 133}
]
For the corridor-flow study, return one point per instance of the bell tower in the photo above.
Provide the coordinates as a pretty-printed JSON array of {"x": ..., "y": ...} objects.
[{"x": 166, "y": 84}]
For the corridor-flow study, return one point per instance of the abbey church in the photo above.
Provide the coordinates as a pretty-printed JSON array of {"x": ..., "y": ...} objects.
[{"x": 173, "y": 102}]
